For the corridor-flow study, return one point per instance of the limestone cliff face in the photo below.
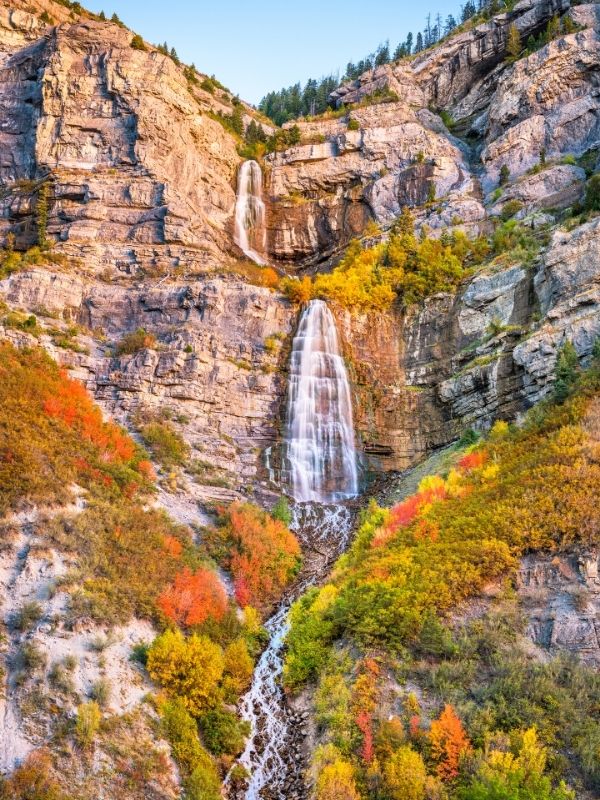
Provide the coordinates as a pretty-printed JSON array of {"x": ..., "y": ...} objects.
[
  {"x": 425, "y": 374},
  {"x": 212, "y": 370},
  {"x": 142, "y": 178},
  {"x": 400, "y": 152}
]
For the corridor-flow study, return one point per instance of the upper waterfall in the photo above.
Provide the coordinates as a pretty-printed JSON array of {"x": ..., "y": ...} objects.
[
  {"x": 250, "y": 231},
  {"x": 320, "y": 448}
]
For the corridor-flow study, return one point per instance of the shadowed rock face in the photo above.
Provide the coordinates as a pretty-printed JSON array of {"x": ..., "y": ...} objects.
[{"x": 561, "y": 596}]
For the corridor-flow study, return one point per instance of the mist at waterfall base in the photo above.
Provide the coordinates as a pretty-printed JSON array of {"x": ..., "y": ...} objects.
[
  {"x": 320, "y": 472},
  {"x": 250, "y": 233}
]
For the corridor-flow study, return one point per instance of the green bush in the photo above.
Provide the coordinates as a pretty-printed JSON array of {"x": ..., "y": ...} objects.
[
  {"x": 26, "y": 617},
  {"x": 101, "y": 692},
  {"x": 223, "y": 733},
  {"x": 165, "y": 444},
  {"x": 509, "y": 209},
  {"x": 134, "y": 342},
  {"x": 592, "y": 194},
  {"x": 137, "y": 43},
  {"x": 87, "y": 724},
  {"x": 181, "y": 730},
  {"x": 281, "y": 511},
  {"x": 353, "y": 124}
]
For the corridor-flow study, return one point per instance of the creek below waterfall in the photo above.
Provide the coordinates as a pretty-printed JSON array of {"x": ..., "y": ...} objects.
[{"x": 275, "y": 751}]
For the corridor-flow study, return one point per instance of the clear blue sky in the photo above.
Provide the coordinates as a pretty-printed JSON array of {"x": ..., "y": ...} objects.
[{"x": 254, "y": 46}]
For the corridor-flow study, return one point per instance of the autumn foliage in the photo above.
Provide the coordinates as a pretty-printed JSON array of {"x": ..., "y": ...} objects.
[
  {"x": 194, "y": 597},
  {"x": 52, "y": 435},
  {"x": 71, "y": 404},
  {"x": 449, "y": 743},
  {"x": 261, "y": 553}
]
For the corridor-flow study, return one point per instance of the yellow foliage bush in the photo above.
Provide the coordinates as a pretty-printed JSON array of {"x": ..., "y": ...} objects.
[
  {"x": 371, "y": 278},
  {"x": 189, "y": 669}
]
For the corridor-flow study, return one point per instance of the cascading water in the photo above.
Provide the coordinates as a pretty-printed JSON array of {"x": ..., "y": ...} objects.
[
  {"x": 250, "y": 232},
  {"x": 320, "y": 448},
  {"x": 320, "y": 471}
]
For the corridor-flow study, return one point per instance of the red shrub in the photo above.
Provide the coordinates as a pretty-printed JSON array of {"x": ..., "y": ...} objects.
[
  {"x": 194, "y": 597},
  {"x": 472, "y": 460},
  {"x": 262, "y": 554}
]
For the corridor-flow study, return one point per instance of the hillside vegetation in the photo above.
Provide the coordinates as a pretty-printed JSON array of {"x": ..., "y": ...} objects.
[
  {"x": 412, "y": 704},
  {"x": 128, "y": 559}
]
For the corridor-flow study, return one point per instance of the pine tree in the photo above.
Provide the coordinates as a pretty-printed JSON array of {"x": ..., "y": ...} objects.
[
  {"x": 513, "y": 42},
  {"x": 419, "y": 44},
  {"x": 409, "y": 43},
  {"x": 383, "y": 54}
]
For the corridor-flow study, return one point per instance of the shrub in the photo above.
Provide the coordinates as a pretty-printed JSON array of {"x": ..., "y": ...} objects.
[
  {"x": 60, "y": 679},
  {"x": 223, "y": 733},
  {"x": 238, "y": 668},
  {"x": 194, "y": 597},
  {"x": 32, "y": 780},
  {"x": 134, "y": 342},
  {"x": 181, "y": 730},
  {"x": 203, "y": 783},
  {"x": 125, "y": 560},
  {"x": 509, "y": 209},
  {"x": 592, "y": 194},
  {"x": 504, "y": 175},
  {"x": 297, "y": 291},
  {"x": 336, "y": 778},
  {"x": 566, "y": 372},
  {"x": 405, "y": 775},
  {"x": 370, "y": 278},
  {"x": 449, "y": 743},
  {"x": 189, "y": 669},
  {"x": 137, "y": 43},
  {"x": 281, "y": 511},
  {"x": 262, "y": 554},
  {"x": 353, "y": 124},
  {"x": 87, "y": 724},
  {"x": 166, "y": 445},
  {"x": 27, "y": 616},
  {"x": 52, "y": 435},
  {"x": 31, "y": 657},
  {"x": 101, "y": 692}
]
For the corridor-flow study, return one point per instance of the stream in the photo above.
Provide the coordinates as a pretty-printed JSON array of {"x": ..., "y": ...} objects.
[{"x": 274, "y": 754}]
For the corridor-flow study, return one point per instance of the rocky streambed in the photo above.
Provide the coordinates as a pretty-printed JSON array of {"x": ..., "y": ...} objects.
[{"x": 275, "y": 754}]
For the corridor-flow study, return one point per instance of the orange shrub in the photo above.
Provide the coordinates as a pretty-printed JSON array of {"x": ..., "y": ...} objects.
[
  {"x": 194, "y": 597},
  {"x": 449, "y": 743},
  {"x": 71, "y": 403},
  {"x": 262, "y": 554},
  {"x": 473, "y": 460}
]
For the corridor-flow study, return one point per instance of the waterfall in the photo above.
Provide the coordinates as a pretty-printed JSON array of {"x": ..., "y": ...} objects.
[
  {"x": 250, "y": 232},
  {"x": 320, "y": 459}
]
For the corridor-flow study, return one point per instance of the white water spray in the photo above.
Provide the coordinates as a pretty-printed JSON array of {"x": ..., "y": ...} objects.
[
  {"x": 250, "y": 231},
  {"x": 320, "y": 448}
]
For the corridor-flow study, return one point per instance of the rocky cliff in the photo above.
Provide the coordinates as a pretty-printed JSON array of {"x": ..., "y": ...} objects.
[
  {"x": 123, "y": 162},
  {"x": 148, "y": 222}
]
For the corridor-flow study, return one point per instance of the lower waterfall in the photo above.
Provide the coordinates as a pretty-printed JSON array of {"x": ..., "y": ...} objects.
[
  {"x": 320, "y": 450},
  {"x": 320, "y": 472}
]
